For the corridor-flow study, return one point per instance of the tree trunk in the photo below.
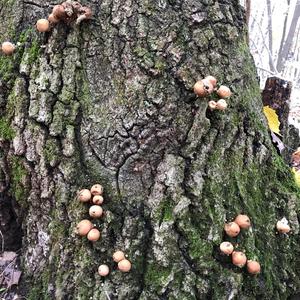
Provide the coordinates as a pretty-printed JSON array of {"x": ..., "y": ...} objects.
[{"x": 111, "y": 101}]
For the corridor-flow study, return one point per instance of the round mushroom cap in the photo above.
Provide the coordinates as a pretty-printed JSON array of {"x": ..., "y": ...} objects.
[{"x": 124, "y": 265}]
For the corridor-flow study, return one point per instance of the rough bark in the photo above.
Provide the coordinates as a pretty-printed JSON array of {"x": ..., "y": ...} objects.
[{"x": 111, "y": 101}]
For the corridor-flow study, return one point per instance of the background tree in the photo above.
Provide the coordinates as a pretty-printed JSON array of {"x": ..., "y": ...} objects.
[{"x": 111, "y": 101}]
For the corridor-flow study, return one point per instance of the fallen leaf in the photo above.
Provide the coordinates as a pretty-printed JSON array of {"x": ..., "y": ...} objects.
[
  {"x": 272, "y": 118},
  {"x": 296, "y": 176}
]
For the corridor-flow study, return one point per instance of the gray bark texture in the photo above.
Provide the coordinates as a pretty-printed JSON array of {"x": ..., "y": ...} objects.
[{"x": 111, "y": 102}]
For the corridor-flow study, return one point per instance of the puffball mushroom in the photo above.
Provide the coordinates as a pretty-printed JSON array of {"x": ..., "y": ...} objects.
[
  {"x": 98, "y": 200},
  {"x": 83, "y": 227},
  {"x": 124, "y": 265},
  {"x": 93, "y": 235},
  {"x": 239, "y": 258},
  {"x": 283, "y": 226},
  {"x": 103, "y": 270},
  {"x": 224, "y": 91},
  {"x": 84, "y": 195},
  {"x": 232, "y": 229},
  {"x": 118, "y": 256},
  {"x": 203, "y": 87},
  {"x": 52, "y": 19},
  {"x": 8, "y": 48},
  {"x": 221, "y": 104},
  {"x": 95, "y": 211},
  {"x": 97, "y": 189},
  {"x": 253, "y": 267},
  {"x": 42, "y": 25},
  {"x": 226, "y": 248},
  {"x": 59, "y": 12},
  {"x": 243, "y": 221},
  {"x": 212, "y": 104},
  {"x": 212, "y": 80}
]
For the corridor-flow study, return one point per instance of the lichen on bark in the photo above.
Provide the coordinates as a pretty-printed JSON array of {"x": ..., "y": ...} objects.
[{"x": 111, "y": 101}]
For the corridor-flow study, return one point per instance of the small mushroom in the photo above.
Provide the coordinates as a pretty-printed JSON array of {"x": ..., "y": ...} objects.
[
  {"x": 232, "y": 229},
  {"x": 83, "y": 227},
  {"x": 85, "y": 14},
  {"x": 59, "y": 12},
  {"x": 212, "y": 104},
  {"x": 103, "y": 270},
  {"x": 224, "y": 91},
  {"x": 93, "y": 235},
  {"x": 97, "y": 189},
  {"x": 239, "y": 258},
  {"x": 221, "y": 104},
  {"x": 203, "y": 87},
  {"x": 42, "y": 25},
  {"x": 95, "y": 211},
  {"x": 98, "y": 200},
  {"x": 253, "y": 267},
  {"x": 52, "y": 19},
  {"x": 226, "y": 248},
  {"x": 283, "y": 226},
  {"x": 124, "y": 265},
  {"x": 212, "y": 80},
  {"x": 118, "y": 256},
  {"x": 84, "y": 195},
  {"x": 243, "y": 221},
  {"x": 8, "y": 48}
]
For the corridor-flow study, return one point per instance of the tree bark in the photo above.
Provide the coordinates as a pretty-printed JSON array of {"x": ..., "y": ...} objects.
[{"x": 111, "y": 101}]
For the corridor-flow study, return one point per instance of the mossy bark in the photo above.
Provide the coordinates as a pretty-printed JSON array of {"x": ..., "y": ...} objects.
[{"x": 111, "y": 101}]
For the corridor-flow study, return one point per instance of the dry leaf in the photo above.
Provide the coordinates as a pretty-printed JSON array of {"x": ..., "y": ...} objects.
[
  {"x": 296, "y": 176},
  {"x": 272, "y": 118}
]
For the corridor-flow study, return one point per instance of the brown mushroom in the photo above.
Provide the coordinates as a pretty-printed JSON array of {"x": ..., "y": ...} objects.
[
  {"x": 93, "y": 235},
  {"x": 232, "y": 229},
  {"x": 226, "y": 248},
  {"x": 253, "y": 267},
  {"x": 118, "y": 256},
  {"x": 95, "y": 211},
  {"x": 103, "y": 270},
  {"x": 243, "y": 221},
  {"x": 83, "y": 227},
  {"x": 97, "y": 189},
  {"x": 8, "y": 48},
  {"x": 42, "y": 25},
  {"x": 239, "y": 258},
  {"x": 84, "y": 195},
  {"x": 224, "y": 91},
  {"x": 124, "y": 265}
]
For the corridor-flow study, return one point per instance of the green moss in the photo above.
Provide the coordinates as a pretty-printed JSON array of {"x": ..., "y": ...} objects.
[
  {"x": 18, "y": 187},
  {"x": 166, "y": 210},
  {"x": 6, "y": 132},
  {"x": 33, "y": 51},
  {"x": 51, "y": 152},
  {"x": 156, "y": 275}
]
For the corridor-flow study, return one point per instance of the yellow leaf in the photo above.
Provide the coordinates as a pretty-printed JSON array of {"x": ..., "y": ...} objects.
[
  {"x": 272, "y": 118},
  {"x": 296, "y": 176}
]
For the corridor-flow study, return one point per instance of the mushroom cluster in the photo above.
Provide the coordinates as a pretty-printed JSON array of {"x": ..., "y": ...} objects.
[
  {"x": 124, "y": 265},
  {"x": 238, "y": 258},
  {"x": 94, "y": 196},
  {"x": 207, "y": 86},
  {"x": 68, "y": 12}
]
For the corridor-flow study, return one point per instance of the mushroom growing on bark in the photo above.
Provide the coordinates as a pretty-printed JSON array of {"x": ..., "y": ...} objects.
[
  {"x": 232, "y": 229},
  {"x": 8, "y": 48}
]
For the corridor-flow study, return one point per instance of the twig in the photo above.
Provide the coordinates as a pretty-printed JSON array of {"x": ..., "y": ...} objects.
[
  {"x": 2, "y": 242},
  {"x": 106, "y": 293}
]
